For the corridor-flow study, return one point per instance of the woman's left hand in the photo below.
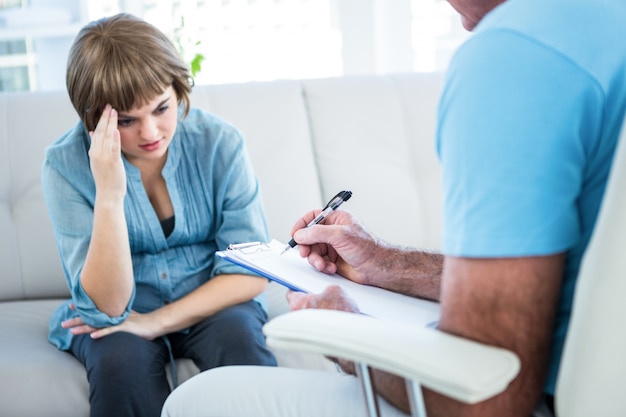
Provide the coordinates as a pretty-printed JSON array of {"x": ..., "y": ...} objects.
[{"x": 139, "y": 324}]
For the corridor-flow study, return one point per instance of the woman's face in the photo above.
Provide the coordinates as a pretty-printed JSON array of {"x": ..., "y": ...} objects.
[
  {"x": 472, "y": 11},
  {"x": 147, "y": 131}
]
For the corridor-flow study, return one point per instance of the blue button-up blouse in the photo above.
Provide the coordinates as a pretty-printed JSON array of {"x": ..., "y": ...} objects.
[{"x": 216, "y": 201}]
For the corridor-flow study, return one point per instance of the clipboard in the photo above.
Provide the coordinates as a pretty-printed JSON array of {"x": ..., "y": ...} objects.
[{"x": 295, "y": 273}]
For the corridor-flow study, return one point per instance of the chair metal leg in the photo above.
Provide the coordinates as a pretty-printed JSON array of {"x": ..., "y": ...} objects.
[
  {"x": 371, "y": 401},
  {"x": 416, "y": 399}
]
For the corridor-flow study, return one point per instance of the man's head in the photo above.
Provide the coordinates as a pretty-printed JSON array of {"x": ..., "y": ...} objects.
[
  {"x": 472, "y": 11},
  {"x": 125, "y": 62}
]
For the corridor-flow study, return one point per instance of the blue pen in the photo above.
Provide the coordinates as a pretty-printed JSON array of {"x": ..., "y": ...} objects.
[{"x": 332, "y": 205}]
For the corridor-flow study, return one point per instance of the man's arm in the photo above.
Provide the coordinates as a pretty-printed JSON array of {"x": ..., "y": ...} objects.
[
  {"x": 509, "y": 302},
  {"x": 343, "y": 245},
  {"x": 408, "y": 271}
]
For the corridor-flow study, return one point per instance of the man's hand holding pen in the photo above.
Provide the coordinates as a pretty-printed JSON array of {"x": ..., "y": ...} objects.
[
  {"x": 332, "y": 205},
  {"x": 340, "y": 245}
]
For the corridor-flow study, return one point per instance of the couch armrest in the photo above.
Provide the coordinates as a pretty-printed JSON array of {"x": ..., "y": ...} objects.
[{"x": 453, "y": 366}]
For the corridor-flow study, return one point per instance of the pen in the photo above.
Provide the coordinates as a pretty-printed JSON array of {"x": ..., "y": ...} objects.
[{"x": 332, "y": 205}]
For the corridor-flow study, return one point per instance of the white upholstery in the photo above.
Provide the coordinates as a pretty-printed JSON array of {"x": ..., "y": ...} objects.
[
  {"x": 365, "y": 133},
  {"x": 593, "y": 369},
  {"x": 459, "y": 368},
  {"x": 29, "y": 265},
  {"x": 307, "y": 139}
]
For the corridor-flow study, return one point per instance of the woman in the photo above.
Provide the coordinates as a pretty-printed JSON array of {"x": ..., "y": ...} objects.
[{"x": 140, "y": 200}]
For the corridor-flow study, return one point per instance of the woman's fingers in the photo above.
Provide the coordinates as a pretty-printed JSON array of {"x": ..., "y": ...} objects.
[{"x": 106, "y": 136}]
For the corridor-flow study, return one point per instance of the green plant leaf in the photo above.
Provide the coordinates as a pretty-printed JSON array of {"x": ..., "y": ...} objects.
[{"x": 196, "y": 64}]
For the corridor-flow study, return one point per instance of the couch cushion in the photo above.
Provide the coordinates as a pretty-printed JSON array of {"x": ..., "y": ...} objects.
[
  {"x": 29, "y": 262},
  {"x": 365, "y": 140},
  {"x": 272, "y": 117},
  {"x": 37, "y": 379},
  {"x": 419, "y": 95}
]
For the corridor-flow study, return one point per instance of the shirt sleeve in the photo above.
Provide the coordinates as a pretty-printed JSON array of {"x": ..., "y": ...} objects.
[
  {"x": 72, "y": 219},
  {"x": 516, "y": 126}
]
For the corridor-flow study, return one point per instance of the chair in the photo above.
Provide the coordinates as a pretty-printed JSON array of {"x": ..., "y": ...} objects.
[{"x": 593, "y": 369}]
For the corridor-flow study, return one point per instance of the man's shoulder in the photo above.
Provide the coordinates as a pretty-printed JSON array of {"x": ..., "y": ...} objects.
[{"x": 565, "y": 25}]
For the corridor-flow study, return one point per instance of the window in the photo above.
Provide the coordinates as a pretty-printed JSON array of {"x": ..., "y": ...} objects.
[
  {"x": 14, "y": 66},
  {"x": 260, "y": 40},
  {"x": 248, "y": 40},
  {"x": 35, "y": 36},
  {"x": 14, "y": 59},
  {"x": 436, "y": 33}
]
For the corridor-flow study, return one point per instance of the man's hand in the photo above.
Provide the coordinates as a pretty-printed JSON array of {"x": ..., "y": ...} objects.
[
  {"x": 332, "y": 298},
  {"x": 340, "y": 244}
]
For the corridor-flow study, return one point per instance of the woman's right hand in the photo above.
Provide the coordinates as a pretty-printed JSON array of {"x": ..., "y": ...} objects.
[
  {"x": 340, "y": 245},
  {"x": 105, "y": 157}
]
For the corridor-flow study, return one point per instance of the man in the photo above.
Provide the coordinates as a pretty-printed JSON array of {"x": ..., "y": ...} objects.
[{"x": 528, "y": 122}]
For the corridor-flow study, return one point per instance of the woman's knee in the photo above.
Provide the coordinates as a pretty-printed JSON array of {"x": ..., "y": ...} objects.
[{"x": 125, "y": 356}]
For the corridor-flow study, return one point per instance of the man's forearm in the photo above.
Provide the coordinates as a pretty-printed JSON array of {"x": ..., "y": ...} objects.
[{"x": 408, "y": 271}]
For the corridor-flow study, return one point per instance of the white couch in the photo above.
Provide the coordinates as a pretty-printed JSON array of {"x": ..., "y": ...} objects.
[{"x": 307, "y": 139}]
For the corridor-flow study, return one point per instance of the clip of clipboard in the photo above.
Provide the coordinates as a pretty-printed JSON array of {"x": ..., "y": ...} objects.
[{"x": 245, "y": 254}]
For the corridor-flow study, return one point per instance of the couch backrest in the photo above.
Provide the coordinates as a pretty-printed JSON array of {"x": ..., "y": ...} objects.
[
  {"x": 273, "y": 119},
  {"x": 376, "y": 136},
  {"x": 307, "y": 140},
  {"x": 29, "y": 265}
]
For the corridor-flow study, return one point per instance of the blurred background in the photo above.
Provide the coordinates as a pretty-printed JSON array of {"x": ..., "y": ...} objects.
[{"x": 235, "y": 41}]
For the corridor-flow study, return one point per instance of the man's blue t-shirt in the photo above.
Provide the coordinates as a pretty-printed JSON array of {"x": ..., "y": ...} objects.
[{"x": 528, "y": 123}]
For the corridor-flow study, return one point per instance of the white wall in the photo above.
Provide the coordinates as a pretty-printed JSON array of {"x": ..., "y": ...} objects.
[{"x": 376, "y": 36}]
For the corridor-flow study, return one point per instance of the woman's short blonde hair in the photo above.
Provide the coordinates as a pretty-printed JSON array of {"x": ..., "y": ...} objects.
[{"x": 125, "y": 62}]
